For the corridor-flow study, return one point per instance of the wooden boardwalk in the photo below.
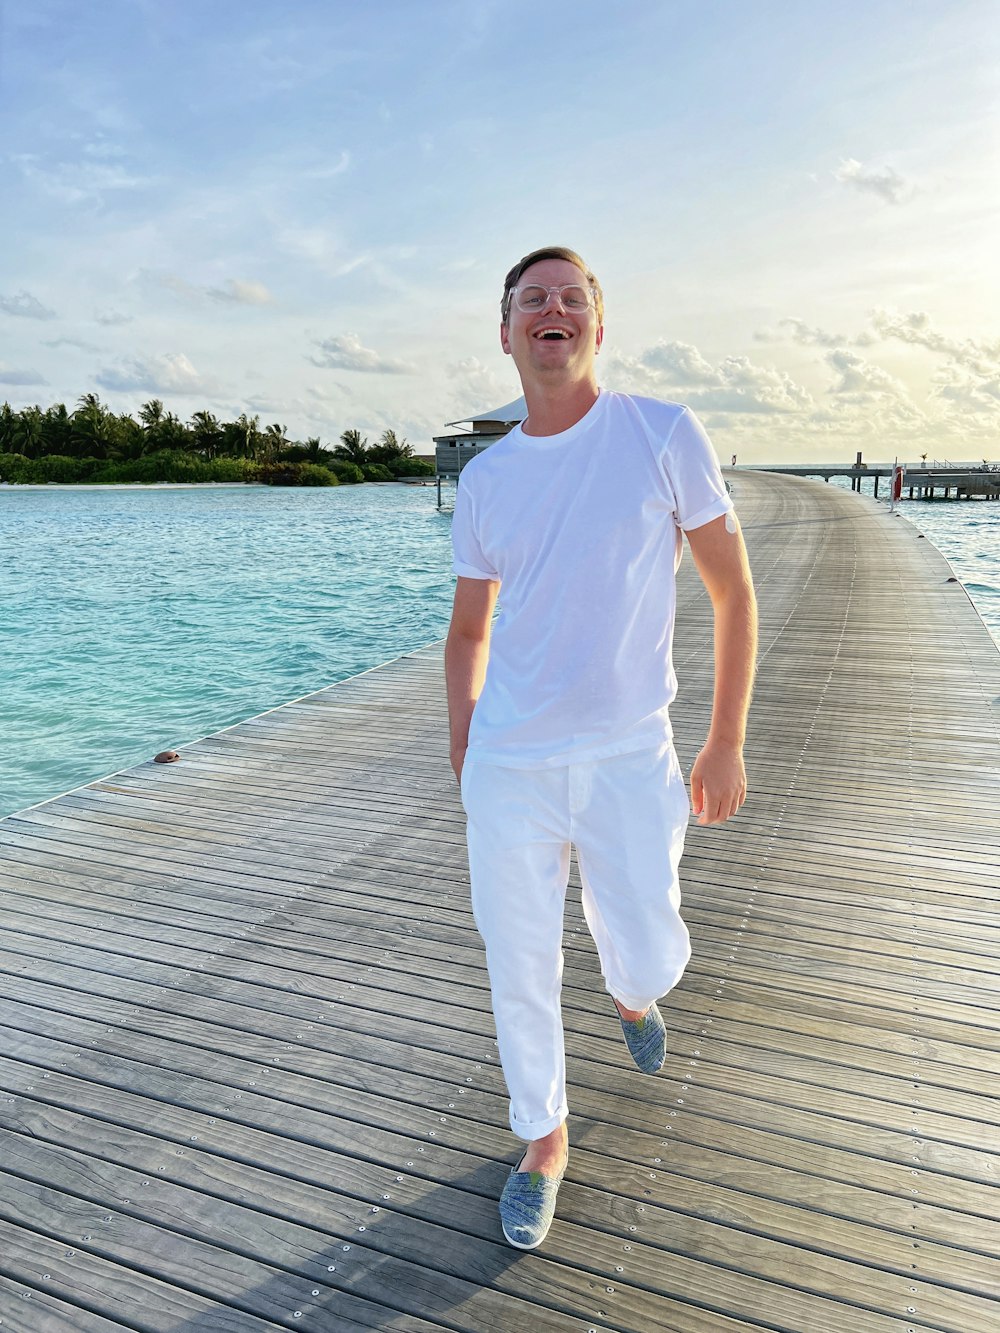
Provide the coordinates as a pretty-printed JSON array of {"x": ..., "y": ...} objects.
[{"x": 248, "y": 1077}]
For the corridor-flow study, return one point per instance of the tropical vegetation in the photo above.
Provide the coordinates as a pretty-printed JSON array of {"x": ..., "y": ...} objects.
[{"x": 94, "y": 444}]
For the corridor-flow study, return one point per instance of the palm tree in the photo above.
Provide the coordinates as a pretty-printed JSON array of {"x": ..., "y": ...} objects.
[
  {"x": 93, "y": 435},
  {"x": 29, "y": 433},
  {"x": 170, "y": 433},
  {"x": 57, "y": 430},
  {"x": 126, "y": 437},
  {"x": 390, "y": 448},
  {"x": 275, "y": 439},
  {"x": 248, "y": 429},
  {"x": 207, "y": 434},
  {"x": 353, "y": 446},
  {"x": 241, "y": 438},
  {"x": 150, "y": 414},
  {"x": 8, "y": 428}
]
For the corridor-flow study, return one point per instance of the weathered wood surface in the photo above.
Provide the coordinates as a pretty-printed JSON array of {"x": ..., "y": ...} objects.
[{"x": 247, "y": 1069}]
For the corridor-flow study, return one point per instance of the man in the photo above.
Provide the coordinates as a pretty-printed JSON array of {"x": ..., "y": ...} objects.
[{"x": 560, "y": 732}]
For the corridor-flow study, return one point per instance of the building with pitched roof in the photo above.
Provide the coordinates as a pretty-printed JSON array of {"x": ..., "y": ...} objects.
[{"x": 477, "y": 433}]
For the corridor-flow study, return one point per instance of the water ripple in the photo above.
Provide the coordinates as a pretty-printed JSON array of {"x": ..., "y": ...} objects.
[{"x": 135, "y": 620}]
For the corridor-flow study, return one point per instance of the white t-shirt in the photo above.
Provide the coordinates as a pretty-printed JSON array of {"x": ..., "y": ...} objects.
[{"x": 583, "y": 530}]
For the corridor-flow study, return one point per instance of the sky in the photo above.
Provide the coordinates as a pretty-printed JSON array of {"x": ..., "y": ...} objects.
[{"x": 304, "y": 209}]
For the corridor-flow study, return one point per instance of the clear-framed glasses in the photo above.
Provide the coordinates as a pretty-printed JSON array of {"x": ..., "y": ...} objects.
[{"x": 534, "y": 297}]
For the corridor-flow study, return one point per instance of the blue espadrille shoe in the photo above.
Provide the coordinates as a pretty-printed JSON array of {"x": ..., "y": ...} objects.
[
  {"x": 647, "y": 1040},
  {"x": 527, "y": 1206}
]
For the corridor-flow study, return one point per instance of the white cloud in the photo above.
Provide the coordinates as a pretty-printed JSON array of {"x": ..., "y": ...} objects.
[
  {"x": 964, "y": 390},
  {"x": 872, "y": 402},
  {"x": 235, "y": 291},
  {"x": 966, "y": 394},
  {"x": 240, "y": 292},
  {"x": 346, "y": 352},
  {"x": 83, "y": 181},
  {"x": 736, "y": 385},
  {"x": 915, "y": 328},
  {"x": 112, "y": 318},
  {"x": 477, "y": 387},
  {"x": 680, "y": 364},
  {"x": 798, "y": 331},
  {"x": 886, "y": 183},
  {"x": 172, "y": 373},
  {"x": 25, "y": 306},
  {"x": 11, "y": 376},
  {"x": 860, "y": 376}
]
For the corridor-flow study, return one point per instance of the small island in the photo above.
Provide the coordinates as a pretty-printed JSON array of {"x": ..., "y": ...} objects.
[{"x": 95, "y": 446}]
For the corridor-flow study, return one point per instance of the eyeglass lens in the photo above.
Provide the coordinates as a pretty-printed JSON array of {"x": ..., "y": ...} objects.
[{"x": 535, "y": 298}]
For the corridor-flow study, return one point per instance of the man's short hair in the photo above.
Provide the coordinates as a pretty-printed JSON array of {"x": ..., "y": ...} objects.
[{"x": 536, "y": 257}]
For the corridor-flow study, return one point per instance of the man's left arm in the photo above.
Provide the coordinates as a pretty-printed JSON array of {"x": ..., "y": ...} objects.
[{"x": 718, "y": 777}]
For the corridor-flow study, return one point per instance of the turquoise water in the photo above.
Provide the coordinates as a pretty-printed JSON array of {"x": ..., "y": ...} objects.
[{"x": 135, "y": 620}]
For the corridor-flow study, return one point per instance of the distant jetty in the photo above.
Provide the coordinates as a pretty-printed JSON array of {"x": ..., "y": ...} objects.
[{"x": 937, "y": 481}]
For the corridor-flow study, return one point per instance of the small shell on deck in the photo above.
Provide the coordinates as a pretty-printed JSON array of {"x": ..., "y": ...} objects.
[{"x": 166, "y": 757}]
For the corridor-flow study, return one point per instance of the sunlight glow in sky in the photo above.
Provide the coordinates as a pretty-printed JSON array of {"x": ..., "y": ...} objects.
[{"x": 305, "y": 210}]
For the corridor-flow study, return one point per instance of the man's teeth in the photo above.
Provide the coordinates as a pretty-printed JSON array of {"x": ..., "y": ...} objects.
[{"x": 551, "y": 333}]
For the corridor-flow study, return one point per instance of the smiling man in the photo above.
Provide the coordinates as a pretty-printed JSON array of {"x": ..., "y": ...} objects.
[{"x": 560, "y": 728}]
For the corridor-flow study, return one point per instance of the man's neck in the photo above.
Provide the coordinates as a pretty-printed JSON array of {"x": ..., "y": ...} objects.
[{"x": 553, "y": 408}]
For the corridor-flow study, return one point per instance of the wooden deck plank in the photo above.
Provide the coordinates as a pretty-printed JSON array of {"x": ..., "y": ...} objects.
[
  {"x": 106, "y": 810},
  {"x": 215, "y": 909},
  {"x": 700, "y": 1182},
  {"x": 426, "y": 1098},
  {"x": 22, "y": 1306},
  {"x": 228, "y": 795},
  {"x": 208, "y": 1244},
  {"x": 929, "y": 1019},
  {"x": 238, "y": 1030},
  {"x": 812, "y": 1062},
  {"x": 286, "y": 907},
  {"x": 790, "y": 1077},
  {"x": 308, "y": 931},
  {"x": 130, "y": 1298},
  {"x": 244, "y": 1005},
  {"x": 325, "y": 1219},
  {"x": 337, "y": 930}
]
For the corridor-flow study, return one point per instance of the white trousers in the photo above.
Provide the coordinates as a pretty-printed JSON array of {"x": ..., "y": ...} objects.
[{"x": 627, "y": 817}]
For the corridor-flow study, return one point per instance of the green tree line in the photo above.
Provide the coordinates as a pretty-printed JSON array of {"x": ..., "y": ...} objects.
[{"x": 94, "y": 444}]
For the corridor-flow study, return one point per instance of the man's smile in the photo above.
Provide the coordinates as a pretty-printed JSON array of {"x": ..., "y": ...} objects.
[{"x": 552, "y": 332}]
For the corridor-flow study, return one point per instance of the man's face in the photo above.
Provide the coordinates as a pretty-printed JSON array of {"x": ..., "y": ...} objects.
[{"x": 552, "y": 340}]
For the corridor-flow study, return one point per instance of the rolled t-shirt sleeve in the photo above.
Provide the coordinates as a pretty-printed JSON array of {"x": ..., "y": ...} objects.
[
  {"x": 694, "y": 474},
  {"x": 468, "y": 559}
]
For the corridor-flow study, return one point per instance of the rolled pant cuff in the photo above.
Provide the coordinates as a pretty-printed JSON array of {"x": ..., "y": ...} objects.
[
  {"x": 537, "y": 1129},
  {"x": 631, "y": 1002},
  {"x": 637, "y": 1002}
]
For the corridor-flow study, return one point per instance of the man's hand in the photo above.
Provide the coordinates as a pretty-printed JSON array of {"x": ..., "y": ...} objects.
[{"x": 718, "y": 782}]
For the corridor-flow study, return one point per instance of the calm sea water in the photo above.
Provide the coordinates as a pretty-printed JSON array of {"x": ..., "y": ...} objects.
[{"x": 136, "y": 620}]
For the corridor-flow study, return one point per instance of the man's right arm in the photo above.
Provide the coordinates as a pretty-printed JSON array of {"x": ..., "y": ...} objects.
[{"x": 466, "y": 653}]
